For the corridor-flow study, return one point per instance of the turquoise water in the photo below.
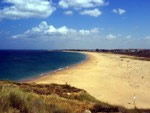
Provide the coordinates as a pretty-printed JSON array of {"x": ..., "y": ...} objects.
[{"x": 22, "y": 64}]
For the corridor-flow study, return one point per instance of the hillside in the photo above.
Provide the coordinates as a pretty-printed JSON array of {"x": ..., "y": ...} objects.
[{"x": 52, "y": 98}]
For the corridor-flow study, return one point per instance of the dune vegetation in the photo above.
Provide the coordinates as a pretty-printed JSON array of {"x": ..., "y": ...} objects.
[{"x": 52, "y": 98}]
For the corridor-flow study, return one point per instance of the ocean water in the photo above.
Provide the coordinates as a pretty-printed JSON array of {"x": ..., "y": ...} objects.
[{"x": 19, "y": 65}]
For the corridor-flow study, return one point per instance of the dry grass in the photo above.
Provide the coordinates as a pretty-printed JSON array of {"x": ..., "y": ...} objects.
[
  {"x": 33, "y": 98},
  {"x": 136, "y": 58}
]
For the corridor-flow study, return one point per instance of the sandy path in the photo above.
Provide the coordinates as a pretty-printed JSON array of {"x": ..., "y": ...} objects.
[{"x": 110, "y": 78}]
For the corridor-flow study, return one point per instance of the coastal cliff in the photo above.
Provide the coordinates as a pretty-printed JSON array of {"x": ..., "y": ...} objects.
[{"x": 52, "y": 98}]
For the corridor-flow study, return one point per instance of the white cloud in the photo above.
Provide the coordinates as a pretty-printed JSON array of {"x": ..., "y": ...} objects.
[
  {"x": 27, "y": 9},
  {"x": 95, "y": 12},
  {"x": 119, "y": 11},
  {"x": 18, "y": 9},
  {"x": 68, "y": 12},
  {"x": 147, "y": 37},
  {"x": 49, "y": 31},
  {"x": 81, "y": 3},
  {"x": 128, "y": 37},
  {"x": 111, "y": 37}
]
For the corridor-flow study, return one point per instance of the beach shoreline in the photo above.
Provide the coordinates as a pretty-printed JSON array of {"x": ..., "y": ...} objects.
[
  {"x": 107, "y": 77},
  {"x": 51, "y": 73}
]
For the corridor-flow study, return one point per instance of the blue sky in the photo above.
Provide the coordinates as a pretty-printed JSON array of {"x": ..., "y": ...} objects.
[{"x": 59, "y": 24}]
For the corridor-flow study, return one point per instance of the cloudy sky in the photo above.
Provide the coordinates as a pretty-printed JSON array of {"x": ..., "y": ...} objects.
[{"x": 60, "y": 24}]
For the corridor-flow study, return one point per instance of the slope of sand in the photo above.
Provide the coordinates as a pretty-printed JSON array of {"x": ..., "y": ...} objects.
[{"x": 115, "y": 79}]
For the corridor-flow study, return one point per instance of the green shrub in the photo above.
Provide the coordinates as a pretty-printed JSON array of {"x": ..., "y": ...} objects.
[
  {"x": 14, "y": 100},
  {"x": 22, "y": 101}
]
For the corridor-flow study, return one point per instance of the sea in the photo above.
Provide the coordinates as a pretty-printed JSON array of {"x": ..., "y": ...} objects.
[{"x": 18, "y": 65}]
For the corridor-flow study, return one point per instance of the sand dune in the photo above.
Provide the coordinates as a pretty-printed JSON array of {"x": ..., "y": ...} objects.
[{"x": 115, "y": 79}]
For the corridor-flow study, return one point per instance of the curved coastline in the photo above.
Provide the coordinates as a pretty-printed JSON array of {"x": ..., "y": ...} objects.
[
  {"x": 51, "y": 73},
  {"x": 111, "y": 78}
]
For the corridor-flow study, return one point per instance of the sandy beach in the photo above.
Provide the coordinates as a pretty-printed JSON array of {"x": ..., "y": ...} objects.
[{"x": 111, "y": 78}]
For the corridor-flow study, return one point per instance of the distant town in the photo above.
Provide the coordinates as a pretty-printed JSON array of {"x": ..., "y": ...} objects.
[{"x": 133, "y": 52}]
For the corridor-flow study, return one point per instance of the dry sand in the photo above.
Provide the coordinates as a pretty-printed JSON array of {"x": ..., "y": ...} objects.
[{"x": 111, "y": 78}]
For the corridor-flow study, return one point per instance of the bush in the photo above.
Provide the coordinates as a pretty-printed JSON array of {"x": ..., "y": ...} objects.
[{"x": 15, "y": 99}]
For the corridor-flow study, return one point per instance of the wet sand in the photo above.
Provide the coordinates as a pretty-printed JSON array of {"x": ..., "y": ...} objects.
[{"x": 115, "y": 79}]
